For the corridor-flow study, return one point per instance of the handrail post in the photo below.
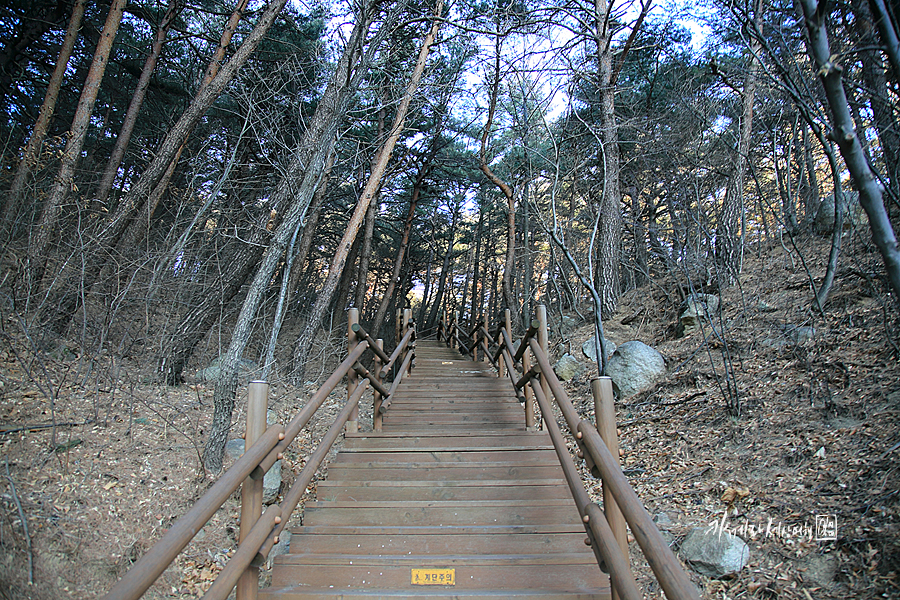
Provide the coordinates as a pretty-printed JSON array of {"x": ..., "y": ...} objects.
[
  {"x": 398, "y": 332},
  {"x": 529, "y": 394},
  {"x": 252, "y": 489},
  {"x": 407, "y": 318},
  {"x": 543, "y": 341},
  {"x": 605, "y": 414},
  {"x": 376, "y": 414},
  {"x": 352, "y": 425},
  {"x": 507, "y": 324}
]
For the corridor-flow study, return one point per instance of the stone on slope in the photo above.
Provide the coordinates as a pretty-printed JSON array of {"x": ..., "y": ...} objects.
[
  {"x": 568, "y": 367},
  {"x": 713, "y": 552},
  {"x": 694, "y": 308},
  {"x": 590, "y": 345},
  {"x": 635, "y": 367}
]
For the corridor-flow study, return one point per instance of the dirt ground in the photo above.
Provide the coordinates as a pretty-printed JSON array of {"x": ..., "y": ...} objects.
[{"x": 817, "y": 435}]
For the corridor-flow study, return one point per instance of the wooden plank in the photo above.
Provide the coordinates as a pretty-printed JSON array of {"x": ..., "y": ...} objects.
[
  {"x": 521, "y": 456},
  {"x": 441, "y": 516},
  {"x": 338, "y": 492},
  {"x": 430, "y": 544}
]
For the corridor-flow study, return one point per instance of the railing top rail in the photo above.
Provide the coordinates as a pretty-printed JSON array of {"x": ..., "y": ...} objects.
[
  {"x": 663, "y": 562},
  {"x": 255, "y": 461}
]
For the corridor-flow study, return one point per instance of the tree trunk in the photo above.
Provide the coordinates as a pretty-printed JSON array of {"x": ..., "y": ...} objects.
[
  {"x": 40, "y": 241},
  {"x": 509, "y": 263},
  {"x": 424, "y": 169},
  {"x": 476, "y": 281},
  {"x": 304, "y": 341},
  {"x": 876, "y": 85},
  {"x": 33, "y": 148},
  {"x": 305, "y": 173},
  {"x": 610, "y": 242},
  {"x": 137, "y": 100},
  {"x": 138, "y": 228},
  {"x": 68, "y": 298},
  {"x": 729, "y": 244},
  {"x": 429, "y": 324},
  {"x": 870, "y": 195}
]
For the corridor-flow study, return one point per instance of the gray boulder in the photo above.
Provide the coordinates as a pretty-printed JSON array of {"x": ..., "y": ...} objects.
[
  {"x": 854, "y": 215},
  {"x": 272, "y": 480},
  {"x": 800, "y": 335},
  {"x": 568, "y": 367},
  {"x": 713, "y": 552},
  {"x": 634, "y": 368},
  {"x": 247, "y": 369},
  {"x": 694, "y": 308},
  {"x": 567, "y": 324},
  {"x": 590, "y": 345}
]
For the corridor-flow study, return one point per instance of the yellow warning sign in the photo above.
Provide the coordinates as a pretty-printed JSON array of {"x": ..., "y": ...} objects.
[{"x": 434, "y": 576}]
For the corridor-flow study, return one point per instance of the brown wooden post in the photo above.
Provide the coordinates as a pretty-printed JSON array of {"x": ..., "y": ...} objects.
[
  {"x": 529, "y": 395},
  {"x": 605, "y": 414},
  {"x": 407, "y": 317},
  {"x": 507, "y": 325},
  {"x": 252, "y": 489},
  {"x": 352, "y": 424},
  {"x": 398, "y": 330},
  {"x": 376, "y": 414},
  {"x": 543, "y": 340}
]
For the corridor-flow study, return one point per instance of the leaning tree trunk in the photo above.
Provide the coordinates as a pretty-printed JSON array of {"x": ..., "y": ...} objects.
[
  {"x": 305, "y": 339},
  {"x": 508, "y": 264},
  {"x": 40, "y": 241},
  {"x": 137, "y": 100},
  {"x": 138, "y": 227},
  {"x": 68, "y": 297},
  {"x": 33, "y": 148},
  {"x": 870, "y": 194},
  {"x": 295, "y": 190}
]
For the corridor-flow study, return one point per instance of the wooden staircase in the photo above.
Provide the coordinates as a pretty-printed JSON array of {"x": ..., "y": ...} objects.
[{"x": 453, "y": 499}]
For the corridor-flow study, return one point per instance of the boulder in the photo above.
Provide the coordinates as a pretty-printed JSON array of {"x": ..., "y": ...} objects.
[
  {"x": 272, "y": 480},
  {"x": 713, "y": 552},
  {"x": 635, "y": 367},
  {"x": 568, "y": 367},
  {"x": 590, "y": 345},
  {"x": 800, "y": 335},
  {"x": 694, "y": 308},
  {"x": 854, "y": 215},
  {"x": 567, "y": 324},
  {"x": 247, "y": 369}
]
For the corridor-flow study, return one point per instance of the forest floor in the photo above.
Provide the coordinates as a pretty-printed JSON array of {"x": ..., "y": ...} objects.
[{"x": 817, "y": 435}]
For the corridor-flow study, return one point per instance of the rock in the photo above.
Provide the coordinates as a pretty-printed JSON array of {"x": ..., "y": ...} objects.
[
  {"x": 635, "y": 367},
  {"x": 282, "y": 547},
  {"x": 713, "y": 552},
  {"x": 247, "y": 369},
  {"x": 590, "y": 345},
  {"x": 764, "y": 306},
  {"x": 854, "y": 215},
  {"x": 567, "y": 324},
  {"x": 234, "y": 448},
  {"x": 800, "y": 335},
  {"x": 272, "y": 480},
  {"x": 695, "y": 307},
  {"x": 568, "y": 367},
  {"x": 663, "y": 520}
]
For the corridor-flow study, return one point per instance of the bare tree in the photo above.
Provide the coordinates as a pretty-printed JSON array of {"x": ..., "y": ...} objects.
[
  {"x": 137, "y": 100},
  {"x": 870, "y": 192}
]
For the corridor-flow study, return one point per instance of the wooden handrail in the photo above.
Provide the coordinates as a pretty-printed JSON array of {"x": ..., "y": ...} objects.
[
  {"x": 254, "y": 463},
  {"x": 665, "y": 565},
  {"x": 291, "y": 499},
  {"x": 400, "y": 348},
  {"x": 150, "y": 566},
  {"x": 602, "y": 540},
  {"x": 386, "y": 403}
]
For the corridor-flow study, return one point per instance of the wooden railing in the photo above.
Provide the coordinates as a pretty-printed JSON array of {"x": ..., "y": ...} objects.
[
  {"x": 259, "y": 531},
  {"x": 597, "y": 445}
]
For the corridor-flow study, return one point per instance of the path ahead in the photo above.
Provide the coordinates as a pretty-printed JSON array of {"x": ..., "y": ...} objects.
[{"x": 454, "y": 499}]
